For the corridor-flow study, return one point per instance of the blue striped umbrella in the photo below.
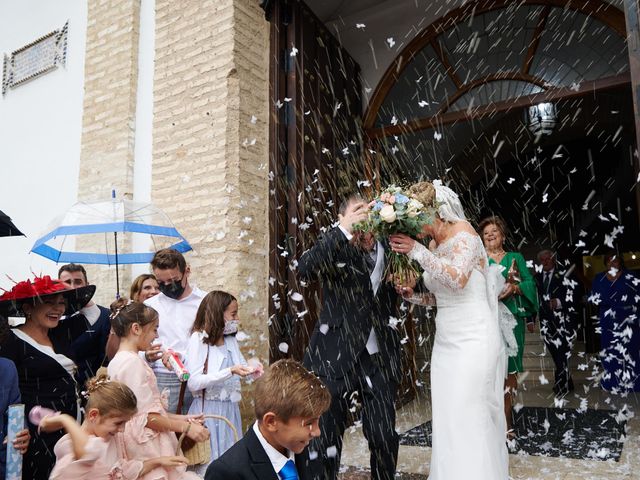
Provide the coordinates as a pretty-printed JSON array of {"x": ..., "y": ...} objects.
[{"x": 114, "y": 232}]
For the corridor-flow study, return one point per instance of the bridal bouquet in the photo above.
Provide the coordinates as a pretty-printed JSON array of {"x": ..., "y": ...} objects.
[{"x": 393, "y": 211}]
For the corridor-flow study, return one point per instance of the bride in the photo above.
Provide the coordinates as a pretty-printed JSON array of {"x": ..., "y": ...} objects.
[{"x": 468, "y": 362}]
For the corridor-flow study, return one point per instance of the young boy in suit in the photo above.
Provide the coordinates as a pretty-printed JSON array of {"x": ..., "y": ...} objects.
[{"x": 288, "y": 402}]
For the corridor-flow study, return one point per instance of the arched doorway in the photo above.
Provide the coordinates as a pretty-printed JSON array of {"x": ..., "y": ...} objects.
[{"x": 455, "y": 103}]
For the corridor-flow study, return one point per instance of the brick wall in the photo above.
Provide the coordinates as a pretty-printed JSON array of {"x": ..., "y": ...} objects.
[
  {"x": 210, "y": 151},
  {"x": 106, "y": 158},
  {"x": 210, "y": 139}
]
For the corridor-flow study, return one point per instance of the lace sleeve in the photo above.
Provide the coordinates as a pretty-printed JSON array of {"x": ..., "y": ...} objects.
[{"x": 453, "y": 268}]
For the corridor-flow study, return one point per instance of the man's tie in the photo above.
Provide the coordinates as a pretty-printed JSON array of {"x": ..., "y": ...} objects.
[
  {"x": 371, "y": 263},
  {"x": 547, "y": 280},
  {"x": 288, "y": 472},
  {"x": 370, "y": 258}
]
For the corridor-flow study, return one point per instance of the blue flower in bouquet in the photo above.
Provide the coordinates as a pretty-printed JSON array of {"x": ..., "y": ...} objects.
[
  {"x": 377, "y": 206},
  {"x": 401, "y": 199}
]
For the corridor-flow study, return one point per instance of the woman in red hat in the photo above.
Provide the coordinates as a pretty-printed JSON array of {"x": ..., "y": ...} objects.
[{"x": 40, "y": 349}]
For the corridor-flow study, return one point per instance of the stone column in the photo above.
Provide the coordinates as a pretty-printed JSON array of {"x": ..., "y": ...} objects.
[
  {"x": 210, "y": 146},
  {"x": 106, "y": 158}
]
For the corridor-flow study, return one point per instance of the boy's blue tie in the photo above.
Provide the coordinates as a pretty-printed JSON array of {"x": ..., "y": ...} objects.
[{"x": 288, "y": 472}]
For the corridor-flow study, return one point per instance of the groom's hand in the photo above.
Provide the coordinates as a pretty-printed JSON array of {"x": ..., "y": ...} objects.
[{"x": 355, "y": 212}]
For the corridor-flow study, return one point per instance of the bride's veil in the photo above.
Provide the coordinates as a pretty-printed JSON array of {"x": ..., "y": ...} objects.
[
  {"x": 449, "y": 206},
  {"x": 450, "y": 209}
]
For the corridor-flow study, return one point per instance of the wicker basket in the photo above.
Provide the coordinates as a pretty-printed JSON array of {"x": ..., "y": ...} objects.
[{"x": 200, "y": 452}]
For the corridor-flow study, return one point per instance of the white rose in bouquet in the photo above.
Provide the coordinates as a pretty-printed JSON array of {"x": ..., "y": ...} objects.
[
  {"x": 388, "y": 214},
  {"x": 413, "y": 208}
]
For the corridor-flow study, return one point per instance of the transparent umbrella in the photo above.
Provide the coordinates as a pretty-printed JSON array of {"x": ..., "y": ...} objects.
[{"x": 114, "y": 232}]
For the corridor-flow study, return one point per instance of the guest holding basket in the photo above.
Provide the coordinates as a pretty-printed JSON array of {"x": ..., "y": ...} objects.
[
  {"x": 150, "y": 432},
  {"x": 216, "y": 365}
]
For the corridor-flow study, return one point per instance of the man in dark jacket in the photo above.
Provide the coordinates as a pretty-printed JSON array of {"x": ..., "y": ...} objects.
[
  {"x": 558, "y": 317},
  {"x": 93, "y": 320},
  {"x": 354, "y": 347}
]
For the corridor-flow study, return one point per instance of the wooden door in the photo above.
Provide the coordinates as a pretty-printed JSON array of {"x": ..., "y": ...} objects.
[{"x": 315, "y": 148}]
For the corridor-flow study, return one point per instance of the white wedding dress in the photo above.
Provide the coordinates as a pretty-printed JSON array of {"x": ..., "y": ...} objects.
[{"x": 468, "y": 363}]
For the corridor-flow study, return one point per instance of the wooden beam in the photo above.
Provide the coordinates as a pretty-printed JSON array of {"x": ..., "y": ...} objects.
[
  {"x": 598, "y": 9},
  {"x": 444, "y": 60},
  {"x": 519, "y": 76},
  {"x": 505, "y": 106},
  {"x": 535, "y": 39}
]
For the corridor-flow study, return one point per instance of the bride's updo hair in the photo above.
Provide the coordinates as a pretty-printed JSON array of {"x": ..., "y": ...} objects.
[{"x": 424, "y": 192}]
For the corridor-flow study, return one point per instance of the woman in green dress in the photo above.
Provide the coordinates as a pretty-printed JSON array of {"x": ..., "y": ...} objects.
[{"x": 519, "y": 296}]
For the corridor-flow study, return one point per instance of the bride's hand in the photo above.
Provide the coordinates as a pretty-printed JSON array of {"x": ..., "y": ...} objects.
[
  {"x": 401, "y": 243},
  {"x": 404, "y": 291}
]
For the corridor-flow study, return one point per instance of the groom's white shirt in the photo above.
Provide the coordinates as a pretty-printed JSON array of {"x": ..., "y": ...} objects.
[{"x": 376, "y": 280}]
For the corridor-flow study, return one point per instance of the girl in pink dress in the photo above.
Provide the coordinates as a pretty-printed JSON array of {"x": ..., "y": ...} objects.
[
  {"x": 94, "y": 450},
  {"x": 150, "y": 432}
]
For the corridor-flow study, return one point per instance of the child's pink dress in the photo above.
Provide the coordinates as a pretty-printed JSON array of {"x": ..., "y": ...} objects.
[
  {"x": 140, "y": 441},
  {"x": 103, "y": 460}
]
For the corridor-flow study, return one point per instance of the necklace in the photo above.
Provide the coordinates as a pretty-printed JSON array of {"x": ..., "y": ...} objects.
[{"x": 497, "y": 253}]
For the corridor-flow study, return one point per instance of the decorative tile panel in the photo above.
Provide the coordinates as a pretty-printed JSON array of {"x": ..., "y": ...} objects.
[{"x": 39, "y": 57}]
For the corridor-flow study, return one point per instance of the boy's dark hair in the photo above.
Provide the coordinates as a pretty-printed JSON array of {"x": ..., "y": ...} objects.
[
  {"x": 168, "y": 258},
  {"x": 210, "y": 315},
  {"x": 611, "y": 254},
  {"x": 288, "y": 390},
  {"x": 352, "y": 197},
  {"x": 72, "y": 268}
]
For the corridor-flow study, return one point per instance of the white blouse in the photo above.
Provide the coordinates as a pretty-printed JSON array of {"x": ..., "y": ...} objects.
[{"x": 196, "y": 355}]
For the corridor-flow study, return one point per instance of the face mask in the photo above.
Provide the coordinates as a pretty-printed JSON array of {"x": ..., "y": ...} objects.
[
  {"x": 173, "y": 290},
  {"x": 230, "y": 327}
]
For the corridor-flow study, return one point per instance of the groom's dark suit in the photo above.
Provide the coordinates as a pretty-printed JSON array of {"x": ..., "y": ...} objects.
[{"x": 338, "y": 353}]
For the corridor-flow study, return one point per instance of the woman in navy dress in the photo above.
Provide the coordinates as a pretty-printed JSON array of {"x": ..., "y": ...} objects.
[
  {"x": 615, "y": 293},
  {"x": 41, "y": 350}
]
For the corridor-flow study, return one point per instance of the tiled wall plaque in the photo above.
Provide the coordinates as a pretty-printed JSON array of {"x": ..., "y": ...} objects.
[{"x": 30, "y": 61}]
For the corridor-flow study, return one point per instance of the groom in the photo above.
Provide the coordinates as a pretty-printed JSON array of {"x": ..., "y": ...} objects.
[{"x": 354, "y": 348}]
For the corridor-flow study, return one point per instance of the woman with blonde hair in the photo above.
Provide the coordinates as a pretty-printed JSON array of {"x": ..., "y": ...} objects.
[{"x": 143, "y": 287}]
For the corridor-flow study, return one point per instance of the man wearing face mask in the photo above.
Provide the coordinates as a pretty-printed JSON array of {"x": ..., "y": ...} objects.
[{"x": 176, "y": 304}]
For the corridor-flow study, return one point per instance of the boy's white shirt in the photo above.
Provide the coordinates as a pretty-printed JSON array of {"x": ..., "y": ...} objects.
[{"x": 277, "y": 459}]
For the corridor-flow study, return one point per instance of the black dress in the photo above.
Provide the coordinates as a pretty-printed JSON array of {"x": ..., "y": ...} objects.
[{"x": 46, "y": 378}]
